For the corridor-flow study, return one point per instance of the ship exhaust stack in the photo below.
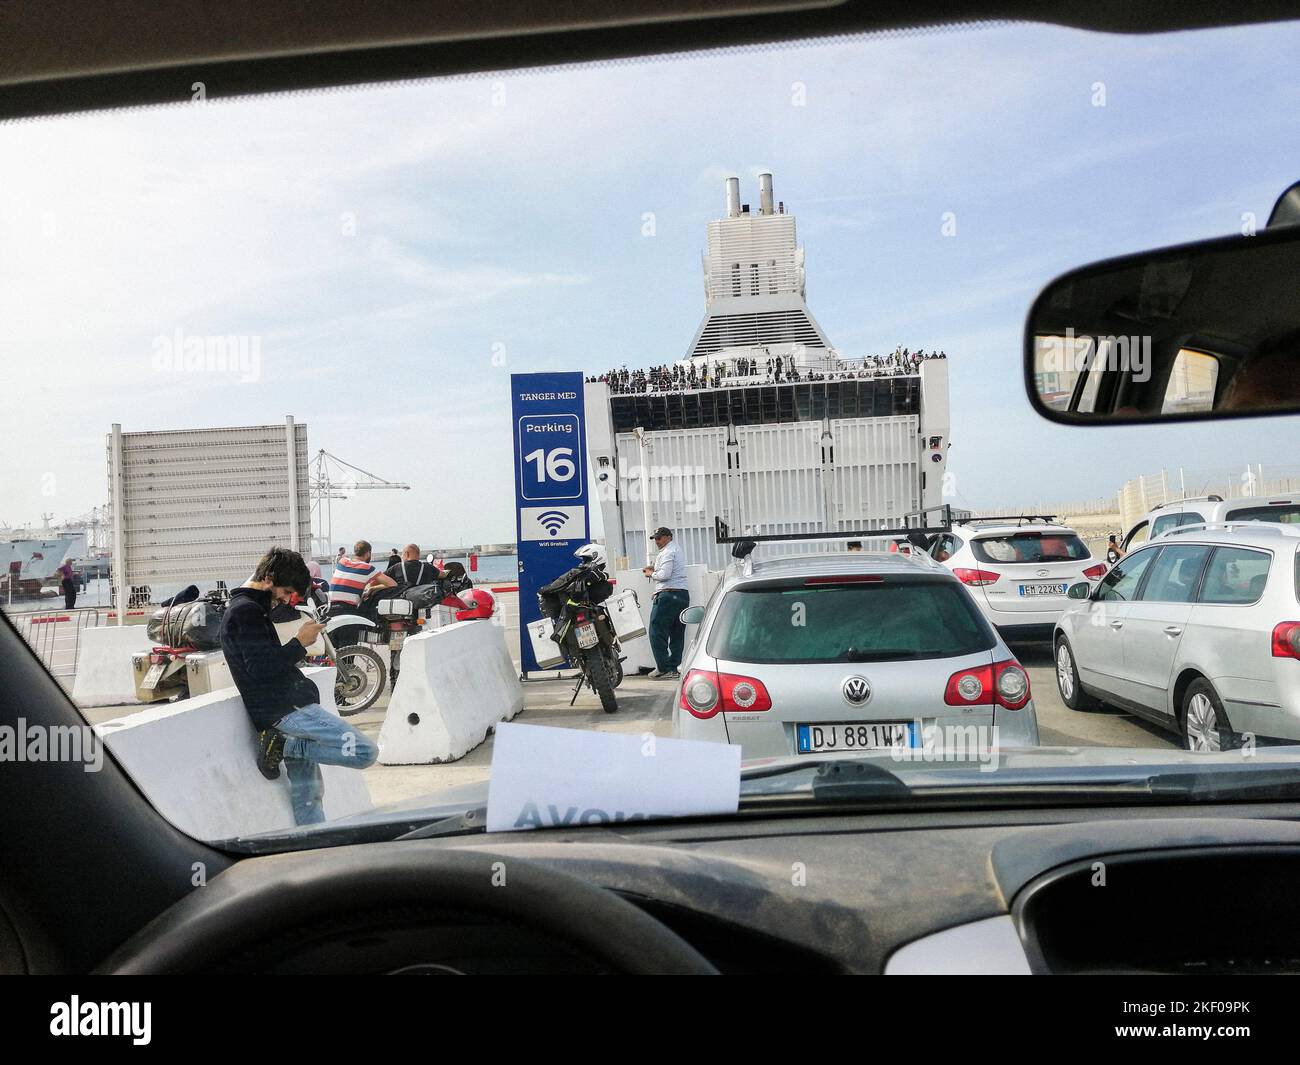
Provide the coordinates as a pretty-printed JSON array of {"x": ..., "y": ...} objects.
[
  {"x": 765, "y": 194},
  {"x": 733, "y": 197}
]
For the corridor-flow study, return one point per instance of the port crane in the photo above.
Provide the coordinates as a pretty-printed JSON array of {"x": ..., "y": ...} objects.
[{"x": 332, "y": 478}]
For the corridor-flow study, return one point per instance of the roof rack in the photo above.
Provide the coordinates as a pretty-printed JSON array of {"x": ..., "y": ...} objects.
[
  {"x": 723, "y": 535},
  {"x": 1006, "y": 519},
  {"x": 1190, "y": 499},
  {"x": 1274, "y": 527}
]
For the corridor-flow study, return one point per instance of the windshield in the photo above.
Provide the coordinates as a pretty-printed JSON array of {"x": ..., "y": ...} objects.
[
  {"x": 849, "y": 623},
  {"x": 387, "y": 357}
]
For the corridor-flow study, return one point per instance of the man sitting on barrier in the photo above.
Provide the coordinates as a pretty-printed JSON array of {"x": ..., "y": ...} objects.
[{"x": 283, "y": 704}]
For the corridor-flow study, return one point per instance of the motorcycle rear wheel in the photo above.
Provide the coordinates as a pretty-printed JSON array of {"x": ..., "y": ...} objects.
[
  {"x": 598, "y": 677},
  {"x": 360, "y": 679}
]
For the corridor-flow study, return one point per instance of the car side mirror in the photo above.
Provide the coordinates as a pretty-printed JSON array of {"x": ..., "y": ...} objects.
[
  {"x": 692, "y": 615},
  {"x": 1203, "y": 330},
  {"x": 1082, "y": 590}
]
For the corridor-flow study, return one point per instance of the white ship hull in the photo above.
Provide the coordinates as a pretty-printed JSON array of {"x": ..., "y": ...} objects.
[{"x": 849, "y": 445}]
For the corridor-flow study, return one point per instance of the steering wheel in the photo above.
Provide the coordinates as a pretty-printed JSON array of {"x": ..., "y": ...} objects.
[{"x": 256, "y": 900}]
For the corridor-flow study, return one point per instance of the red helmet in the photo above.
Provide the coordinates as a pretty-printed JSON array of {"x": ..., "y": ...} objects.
[{"x": 481, "y": 604}]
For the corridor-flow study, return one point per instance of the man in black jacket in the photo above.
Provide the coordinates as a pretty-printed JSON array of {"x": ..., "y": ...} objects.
[{"x": 283, "y": 704}]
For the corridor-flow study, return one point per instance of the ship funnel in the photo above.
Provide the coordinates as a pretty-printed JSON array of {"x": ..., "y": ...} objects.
[
  {"x": 765, "y": 194},
  {"x": 733, "y": 197}
]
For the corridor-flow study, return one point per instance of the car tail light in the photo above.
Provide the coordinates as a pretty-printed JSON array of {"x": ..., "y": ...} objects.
[
  {"x": 976, "y": 577},
  {"x": 580, "y": 618},
  {"x": 848, "y": 578},
  {"x": 700, "y": 694},
  {"x": 1093, "y": 572},
  {"x": 1012, "y": 685},
  {"x": 705, "y": 693},
  {"x": 1003, "y": 683},
  {"x": 1286, "y": 640},
  {"x": 396, "y": 626},
  {"x": 158, "y": 660}
]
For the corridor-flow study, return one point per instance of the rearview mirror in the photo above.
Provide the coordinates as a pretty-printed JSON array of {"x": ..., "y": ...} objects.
[
  {"x": 1206, "y": 330},
  {"x": 1079, "y": 591},
  {"x": 692, "y": 615}
]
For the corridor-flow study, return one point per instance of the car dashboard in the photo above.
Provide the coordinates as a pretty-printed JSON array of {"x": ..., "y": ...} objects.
[{"x": 1117, "y": 890}]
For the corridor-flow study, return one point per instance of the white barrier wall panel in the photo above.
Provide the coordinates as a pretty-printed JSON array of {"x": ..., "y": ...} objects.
[
  {"x": 456, "y": 683},
  {"x": 196, "y": 761},
  {"x": 104, "y": 676}
]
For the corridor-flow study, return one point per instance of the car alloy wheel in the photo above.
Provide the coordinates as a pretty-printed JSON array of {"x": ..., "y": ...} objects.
[
  {"x": 1202, "y": 724},
  {"x": 1065, "y": 671}
]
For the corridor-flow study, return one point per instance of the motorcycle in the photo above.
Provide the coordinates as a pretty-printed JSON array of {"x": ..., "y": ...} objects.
[
  {"x": 360, "y": 674},
  {"x": 185, "y": 657},
  {"x": 390, "y": 618},
  {"x": 583, "y": 628}
]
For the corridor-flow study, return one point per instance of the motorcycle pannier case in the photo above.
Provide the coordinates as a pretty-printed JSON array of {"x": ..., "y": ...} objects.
[
  {"x": 545, "y": 650},
  {"x": 625, "y": 615}
]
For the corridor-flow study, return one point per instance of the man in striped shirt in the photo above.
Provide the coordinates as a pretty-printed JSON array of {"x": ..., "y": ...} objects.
[{"x": 353, "y": 576}]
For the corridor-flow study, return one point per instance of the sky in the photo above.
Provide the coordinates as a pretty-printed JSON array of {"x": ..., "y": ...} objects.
[{"x": 396, "y": 252}]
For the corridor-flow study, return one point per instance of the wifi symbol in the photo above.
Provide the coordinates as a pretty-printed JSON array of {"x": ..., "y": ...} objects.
[{"x": 552, "y": 520}]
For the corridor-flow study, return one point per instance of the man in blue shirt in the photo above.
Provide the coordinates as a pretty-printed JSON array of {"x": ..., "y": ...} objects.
[{"x": 667, "y": 633}]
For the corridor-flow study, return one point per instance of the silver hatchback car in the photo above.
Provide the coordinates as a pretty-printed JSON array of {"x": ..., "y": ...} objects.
[
  {"x": 848, "y": 653},
  {"x": 1198, "y": 631}
]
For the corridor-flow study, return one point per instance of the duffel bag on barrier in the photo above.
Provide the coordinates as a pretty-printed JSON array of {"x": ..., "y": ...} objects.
[{"x": 196, "y": 624}]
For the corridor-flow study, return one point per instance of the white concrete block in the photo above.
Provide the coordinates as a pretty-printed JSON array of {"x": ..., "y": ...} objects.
[
  {"x": 196, "y": 760},
  {"x": 456, "y": 683},
  {"x": 104, "y": 676}
]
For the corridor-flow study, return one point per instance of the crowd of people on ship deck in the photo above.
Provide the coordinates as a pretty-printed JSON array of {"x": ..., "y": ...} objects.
[{"x": 747, "y": 370}]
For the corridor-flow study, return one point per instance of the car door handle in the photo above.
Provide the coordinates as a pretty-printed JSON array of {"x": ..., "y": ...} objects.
[
  {"x": 1173, "y": 630},
  {"x": 1117, "y": 624}
]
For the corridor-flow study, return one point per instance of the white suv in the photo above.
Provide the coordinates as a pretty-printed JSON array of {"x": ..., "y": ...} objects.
[
  {"x": 1199, "y": 510},
  {"x": 1198, "y": 631},
  {"x": 1018, "y": 572}
]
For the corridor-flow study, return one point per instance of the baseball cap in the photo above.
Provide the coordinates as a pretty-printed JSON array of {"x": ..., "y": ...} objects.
[{"x": 663, "y": 530}]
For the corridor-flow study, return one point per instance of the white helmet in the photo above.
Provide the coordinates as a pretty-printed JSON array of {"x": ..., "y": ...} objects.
[{"x": 593, "y": 553}]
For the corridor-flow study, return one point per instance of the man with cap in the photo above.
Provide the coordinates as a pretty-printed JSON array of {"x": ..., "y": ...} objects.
[{"x": 667, "y": 633}]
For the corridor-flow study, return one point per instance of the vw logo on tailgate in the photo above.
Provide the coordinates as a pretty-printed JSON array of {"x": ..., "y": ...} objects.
[{"x": 856, "y": 690}]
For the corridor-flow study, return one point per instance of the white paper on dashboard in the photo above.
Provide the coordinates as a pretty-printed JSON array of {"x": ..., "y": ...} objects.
[{"x": 563, "y": 777}]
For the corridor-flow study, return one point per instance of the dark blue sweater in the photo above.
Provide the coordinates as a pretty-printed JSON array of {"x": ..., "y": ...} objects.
[{"x": 264, "y": 670}]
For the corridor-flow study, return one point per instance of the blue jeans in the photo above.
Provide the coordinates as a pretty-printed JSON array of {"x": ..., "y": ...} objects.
[
  {"x": 667, "y": 634},
  {"x": 315, "y": 737}
]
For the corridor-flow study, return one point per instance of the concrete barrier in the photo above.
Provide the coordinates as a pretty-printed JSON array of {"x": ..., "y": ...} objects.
[
  {"x": 456, "y": 683},
  {"x": 104, "y": 676},
  {"x": 196, "y": 760}
]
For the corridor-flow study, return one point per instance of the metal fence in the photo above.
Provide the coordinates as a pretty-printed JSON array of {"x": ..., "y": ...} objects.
[
  {"x": 55, "y": 635},
  {"x": 1140, "y": 494}
]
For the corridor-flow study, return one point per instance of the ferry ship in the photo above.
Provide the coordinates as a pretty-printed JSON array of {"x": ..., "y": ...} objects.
[{"x": 763, "y": 423}]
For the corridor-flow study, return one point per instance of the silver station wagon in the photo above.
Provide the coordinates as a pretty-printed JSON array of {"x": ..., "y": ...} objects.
[
  {"x": 1198, "y": 631},
  {"x": 845, "y": 654}
]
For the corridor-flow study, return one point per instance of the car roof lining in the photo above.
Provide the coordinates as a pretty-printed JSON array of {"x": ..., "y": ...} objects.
[{"x": 66, "y": 56}]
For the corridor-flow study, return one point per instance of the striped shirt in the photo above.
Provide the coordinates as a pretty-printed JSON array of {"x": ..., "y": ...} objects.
[{"x": 349, "y": 580}]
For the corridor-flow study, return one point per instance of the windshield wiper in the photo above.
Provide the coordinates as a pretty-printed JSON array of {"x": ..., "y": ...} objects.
[
  {"x": 1251, "y": 783},
  {"x": 462, "y": 824},
  {"x": 854, "y": 655}
]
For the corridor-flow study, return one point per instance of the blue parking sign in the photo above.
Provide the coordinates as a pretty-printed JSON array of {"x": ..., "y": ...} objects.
[{"x": 550, "y": 486}]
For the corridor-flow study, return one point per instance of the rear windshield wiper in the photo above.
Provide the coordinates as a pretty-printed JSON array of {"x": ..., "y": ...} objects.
[{"x": 854, "y": 655}]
